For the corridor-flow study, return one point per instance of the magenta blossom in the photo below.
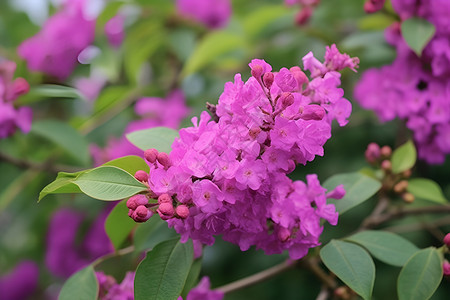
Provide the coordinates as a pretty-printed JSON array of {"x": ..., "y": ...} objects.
[
  {"x": 21, "y": 282},
  {"x": 212, "y": 13}
]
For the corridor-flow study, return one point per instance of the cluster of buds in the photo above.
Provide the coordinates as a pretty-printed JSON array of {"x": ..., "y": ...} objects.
[
  {"x": 446, "y": 264},
  {"x": 381, "y": 157},
  {"x": 372, "y": 6}
]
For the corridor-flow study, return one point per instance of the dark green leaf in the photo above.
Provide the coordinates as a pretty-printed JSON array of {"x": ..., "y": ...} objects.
[
  {"x": 358, "y": 188},
  {"x": 404, "y": 157},
  {"x": 421, "y": 275},
  {"x": 192, "y": 279},
  {"x": 417, "y": 33},
  {"x": 352, "y": 264},
  {"x": 130, "y": 163},
  {"x": 119, "y": 225},
  {"x": 151, "y": 233},
  {"x": 163, "y": 272},
  {"x": 426, "y": 189},
  {"x": 108, "y": 183},
  {"x": 64, "y": 136},
  {"x": 82, "y": 285},
  {"x": 160, "y": 138},
  {"x": 386, "y": 246}
]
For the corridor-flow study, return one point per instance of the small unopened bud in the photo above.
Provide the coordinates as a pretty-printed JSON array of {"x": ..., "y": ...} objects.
[
  {"x": 268, "y": 79},
  {"x": 372, "y": 153},
  {"x": 299, "y": 75},
  {"x": 408, "y": 197},
  {"x": 312, "y": 112},
  {"x": 372, "y": 6},
  {"x": 342, "y": 292},
  {"x": 386, "y": 151},
  {"x": 447, "y": 240},
  {"x": 283, "y": 234},
  {"x": 401, "y": 186},
  {"x": 134, "y": 201},
  {"x": 141, "y": 176},
  {"x": 337, "y": 193},
  {"x": 446, "y": 268},
  {"x": 20, "y": 86},
  {"x": 163, "y": 159},
  {"x": 257, "y": 72},
  {"x": 182, "y": 211},
  {"x": 303, "y": 15},
  {"x": 150, "y": 155},
  {"x": 166, "y": 210},
  {"x": 164, "y": 198},
  {"x": 386, "y": 165},
  {"x": 254, "y": 132},
  {"x": 286, "y": 99},
  {"x": 407, "y": 173},
  {"x": 141, "y": 214}
]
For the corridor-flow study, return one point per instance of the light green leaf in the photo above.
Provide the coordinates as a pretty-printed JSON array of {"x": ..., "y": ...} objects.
[
  {"x": 388, "y": 247},
  {"x": 130, "y": 163},
  {"x": 375, "y": 22},
  {"x": 109, "y": 97},
  {"x": 212, "y": 46},
  {"x": 426, "y": 189},
  {"x": 421, "y": 275},
  {"x": 160, "y": 138},
  {"x": 163, "y": 272},
  {"x": 118, "y": 224},
  {"x": 352, "y": 264},
  {"x": 64, "y": 136},
  {"x": 404, "y": 157},
  {"x": 417, "y": 33},
  {"x": 61, "y": 185},
  {"x": 358, "y": 188},
  {"x": 108, "y": 183},
  {"x": 56, "y": 91},
  {"x": 256, "y": 21},
  {"x": 82, "y": 285}
]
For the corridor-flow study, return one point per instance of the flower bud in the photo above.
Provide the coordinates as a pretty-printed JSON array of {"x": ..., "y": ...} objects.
[
  {"x": 141, "y": 214},
  {"x": 20, "y": 86},
  {"x": 407, "y": 173},
  {"x": 373, "y": 152},
  {"x": 446, "y": 268},
  {"x": 312, "y": 112},
  {"x": 141, "y": 176},
  {"x": 447, "y": 240},
  {"x": 372, "y": 6},
  {"x": 268, "y": 80},
  {"x": 257, "y": 72},
  {"x": 182, "y": 211},
  {"x": 386, "y": 151},
  {"x": 408, "y": 197},
  {"x": 166, "y": 210},
  {"x": 164, "y": 198},
  {"x": 303, "y": 16},
  {"x": 337, "y": 193},
  {"x": 286, "y": 99},
  {"x": 386, "y": 165},
  {"x": 283, "y": 234},
  {"x": 299, "y": 75},
  {"x": 163, "y": 159},
  {"x": 401, "y": 186},
  {"x": 134, "y": 201},
  {"x": 150, "y": 155}
]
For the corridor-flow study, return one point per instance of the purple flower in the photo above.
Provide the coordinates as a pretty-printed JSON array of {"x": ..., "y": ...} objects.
[
  {"x": 21, "y": 282},
  {"x": 203, "y": 291},
  {"x": 55, "y": 49},
  {"x": 212, "y": 13},
  {"x": 109, "y": 289},
  {"x": 114, "y": 30}
]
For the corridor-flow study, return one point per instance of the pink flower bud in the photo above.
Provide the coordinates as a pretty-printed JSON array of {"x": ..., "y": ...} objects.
[
  {"x": 141, "y": 214},
  {"x": 447, "y": 240},
  {"x": 286, "y": 99},
  {"x": 182, "y": 211},
  {"x": 163, "y": 159},
  {"x": 134, "y": 201},
  {"x": 150, "y": 155},
  {"x": 268, "y": 79},
  {"x": 386, "y": 151},
  {"x": 386, "y": 165},
  {"x": 283, "y": 234},
  {"x": 20, "y": 87},
  {"x": 166, "y": 210},
  {"x": 164, "y": 198},
  {"x": 303, "y": 15},
  {"x": 299, "y": 75},
  {"x": 372, "y": 6},
  {"x": 141, "y": 176},
  {"x": 257, "y": 72},
  {"x": 446, "y": 268},
  {"x": 313, "y": 112},
  {"x": 372, "y": 153}
]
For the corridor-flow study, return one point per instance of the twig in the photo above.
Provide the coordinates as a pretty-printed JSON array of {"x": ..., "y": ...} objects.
[
  {"x": 256, "y": 278},
  {"x": 381, "y": 206},
  {"x": 312, "y": 264},
  {"x": 421, "y": 226},
  {"x": 120, "y": 252},
  {"x": 45, "y": 166},
  {"x": 324, "y": 293}
]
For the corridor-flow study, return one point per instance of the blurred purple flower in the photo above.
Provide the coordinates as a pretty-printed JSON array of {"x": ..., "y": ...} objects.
[
  {"x": 111, "y": 290},
  {"x": 21, "y": 282},
  {"x": 114, "y": 30},
  {"x": 212, "y": 13},
  {"x": 203, "y": 291}
]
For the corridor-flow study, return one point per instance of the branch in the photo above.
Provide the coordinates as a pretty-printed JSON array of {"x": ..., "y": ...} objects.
[
  {"x": 381, "y": 206},
  {"x": 312, "y": 264},
  {"x": 45, "y": 166},
  {"x": 258, "y": 277},
  {"x": 120, "y": 252}
]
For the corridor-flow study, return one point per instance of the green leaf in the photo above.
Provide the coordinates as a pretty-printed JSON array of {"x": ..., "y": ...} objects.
[
  {"x": 130, "y": 163},
  {"x": 160, "y": 138},
  {"x": 108, "y": 183},
  {"x": 426, "y": 189},
  {"x": 82, "y": 285},
  {"x": 163, "y": 272},
  {"x": 388, "y": 247},
  {"x": 256, "y": 21},
  {"x": 64, "y": 136},
  {"x": 151, "y": 233},
  {"x": 118, "y": 224},
  {"x": 55, "y": 91},
  {"x": 358, "y": 188},
  {"x": 420, "y": 277},
  {"x": 212, "y": 46},
  {"x": 417, "y": 33},
  {"x": 109, "y": 97},
  {"x": 404, "y": 157},
  {"x": 62, "y": 184},
  {"x": 192, "y": 279},
  {"x": 375, "y": 22},
  {"x": 352, "y": 264}
]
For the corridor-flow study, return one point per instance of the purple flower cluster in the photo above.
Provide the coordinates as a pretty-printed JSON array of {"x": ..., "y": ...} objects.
[
  {"x": 203, "y": 292},
  {"x": 55, "y": 49},
  {"x": 227, "y": 175},
  {"x": 21, "y": 282},
  {"x": 212, "y": 13},
  {"x": 12, "y": 118},
  {"x": 111, "y": 290},
  {"x": 415, "y": 89},
  {"x": 64, "y": 255},
  {"x": 154, "y": 112}
]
